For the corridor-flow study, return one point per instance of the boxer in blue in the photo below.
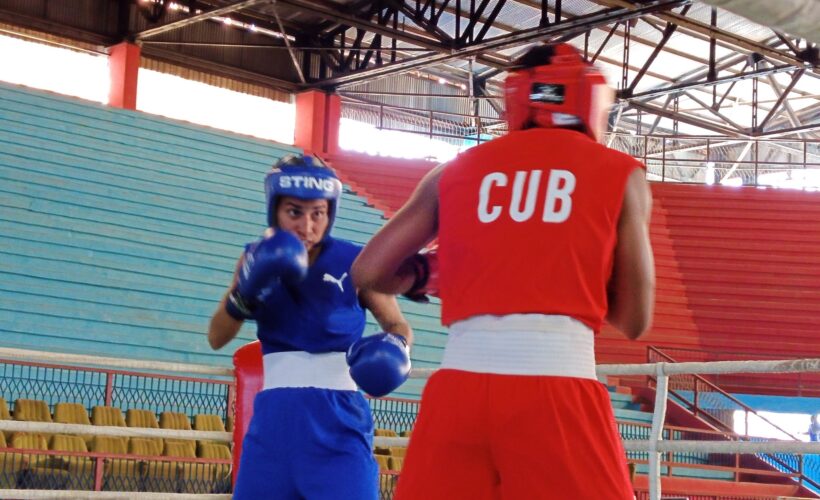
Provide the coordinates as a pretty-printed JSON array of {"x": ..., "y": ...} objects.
[{"x": 311, "y": 433}]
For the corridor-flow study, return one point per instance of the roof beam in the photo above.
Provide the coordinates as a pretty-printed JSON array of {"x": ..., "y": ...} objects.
[
  {"x": 198, "y": 18},
  {"x": 688, "y": 24},
  {"x": 691, "y": 120},
  {"x": 579, "y": 24}
]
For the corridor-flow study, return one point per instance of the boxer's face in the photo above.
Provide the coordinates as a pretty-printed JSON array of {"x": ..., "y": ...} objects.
[{"x": 307, "y": 219}]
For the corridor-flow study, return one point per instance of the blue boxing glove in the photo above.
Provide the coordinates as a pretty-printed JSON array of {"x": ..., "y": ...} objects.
[
  {"x": 380, "y": 363},
  {"x": 280, "y": 258}
]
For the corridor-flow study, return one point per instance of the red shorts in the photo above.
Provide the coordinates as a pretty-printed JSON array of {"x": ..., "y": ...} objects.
[{"x": 486, "y": 436}]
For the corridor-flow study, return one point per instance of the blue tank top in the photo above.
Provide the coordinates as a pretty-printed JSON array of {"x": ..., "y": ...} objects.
[{"x": 321, "y": 313}]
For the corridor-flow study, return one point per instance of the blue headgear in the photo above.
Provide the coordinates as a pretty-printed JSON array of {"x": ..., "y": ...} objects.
[{"x": 304, "y": 177}]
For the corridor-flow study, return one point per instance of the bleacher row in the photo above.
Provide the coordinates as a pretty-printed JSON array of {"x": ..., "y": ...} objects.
[
  {"x": 131, "y": 464},
  {"x": 62, "y": 461}
]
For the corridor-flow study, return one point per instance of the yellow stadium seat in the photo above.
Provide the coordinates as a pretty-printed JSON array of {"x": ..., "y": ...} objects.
[
  {"x": 4, "y": 410},
  {"x": 190, "y": 477},
  {"x": 6, "y": 476},
  {"x": 155, "y": 476},
  {"x": 385, "y": 433},
  {"x": 383, "y": 461},
  {"x": 387, "y": 484},
  {"x": 29, "y": 441},
  {"x": 79, "y": 471},
  {"x": 398, "y": 451},
  {"x": 73, "y": 413},
  {"x": 221, "y": 472},
  {"x": 110, "y": 444},
  {"x": 118, "y": 474},
  {"x": 163, "y": 476},
  {"x": 208, "y": 422},
  {"x": 145, "y": 447},
  {"x": 5, "y": 415},
  {"x": 396, "y": 463},
  {"x": 141, "y": 418},
  {"x": 20, "y": 466},
  {"x": 107, "y": 415},
  {"x": 31, "y": 410},
  {"x": 174, "y": 420},
  {"x": 179, "y": 448},
  {"x": 406, "y": 433}
]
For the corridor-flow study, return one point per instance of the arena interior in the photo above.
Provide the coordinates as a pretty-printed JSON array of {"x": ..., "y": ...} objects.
[{"x": 119, "y": 228}]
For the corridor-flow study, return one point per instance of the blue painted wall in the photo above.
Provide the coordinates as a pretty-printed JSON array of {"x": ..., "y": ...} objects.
[{"x": 119, "y": 230}]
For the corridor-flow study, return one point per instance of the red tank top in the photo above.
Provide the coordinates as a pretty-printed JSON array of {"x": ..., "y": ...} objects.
[{"x": 528, "y": 224}]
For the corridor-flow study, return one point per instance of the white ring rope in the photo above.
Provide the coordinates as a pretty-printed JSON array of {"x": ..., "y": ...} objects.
[
  {"x": 714, "y": 367},
  {"x": 118, "y": 363},
  {"x": 655, "y": 445},
  {"x": 104, "y": 430},
  {"x": 727, "y": 447},
  {"x": 106, "y": 495}
]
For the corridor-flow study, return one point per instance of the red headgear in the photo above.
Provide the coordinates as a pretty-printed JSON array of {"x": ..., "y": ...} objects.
[{"x": 565, "y": 91}]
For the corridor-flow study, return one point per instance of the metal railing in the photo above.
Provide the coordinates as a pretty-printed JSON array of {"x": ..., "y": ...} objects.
[{"x": 122, "y": 389}]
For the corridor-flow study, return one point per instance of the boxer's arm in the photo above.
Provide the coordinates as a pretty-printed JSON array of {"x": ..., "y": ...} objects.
[
  {"x": 385, "y": 308},
  {"x": 631, "y": 287},
  {"x": 385, "y": 265},
  {"x": 224, "y": 327}
]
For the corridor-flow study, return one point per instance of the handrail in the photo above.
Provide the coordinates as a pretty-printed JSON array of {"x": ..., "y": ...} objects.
[
  {"x": 724, "y": 393},
  {"x": 693, "y": 405}
]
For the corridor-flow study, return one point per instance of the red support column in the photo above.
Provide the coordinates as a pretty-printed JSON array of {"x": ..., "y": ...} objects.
[
  {"x": 317, "y": 122},
  {"x": 124, "y": 61}
]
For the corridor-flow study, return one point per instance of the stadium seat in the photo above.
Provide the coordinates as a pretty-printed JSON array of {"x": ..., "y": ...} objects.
[
  {"x": 5, "y": 415},
  {"x": 20, "y": 466},
  {"x": 107, "y": 415},
  {"x": 406, "y": 433},
  {"x": 174, "y": 420},
  {"x": 387, "y": 484},
  {"x": 384, "y": 462},
  {"x": 29, "y": 441},
  {"x": 385, "y": 433},
  {"x": 141, "y": 418},
  {"x": 77, "y": 473},
  {"x": 164, "y": 476},
  {"x": 208, "y": 422},
  {"x": 145, "y": 447},
  {"x": 155, "y": 476},
  {"x": 189, "y": 477},
  {"x": 31, "y": 410},
  {"x": 73, "y": 413},
  {"x": 398, "y": 451},
  {"x": 6, "y": 460},
  {"x": 4, "y": 410},
  {"x": 396, "y": 463},
  {"x": 221, "y": 473},
  {"x": 118, "y": 474}
]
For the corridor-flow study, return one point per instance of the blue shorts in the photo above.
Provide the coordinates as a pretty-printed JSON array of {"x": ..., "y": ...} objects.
[{"x": 306, "y": 443}]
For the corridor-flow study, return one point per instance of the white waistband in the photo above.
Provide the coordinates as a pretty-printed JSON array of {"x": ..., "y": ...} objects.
[
  {"x": 522, "y": 344},
  {"x": 327, "y": 370}
]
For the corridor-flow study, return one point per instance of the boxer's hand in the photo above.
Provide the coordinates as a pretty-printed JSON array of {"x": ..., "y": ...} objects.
[
  {"x": 280, "y": 258},
  {"x": 380, "y": 363}
]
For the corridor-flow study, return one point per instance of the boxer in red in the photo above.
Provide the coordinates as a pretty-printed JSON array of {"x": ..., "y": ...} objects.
[{"x": 543, "y": 235}]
